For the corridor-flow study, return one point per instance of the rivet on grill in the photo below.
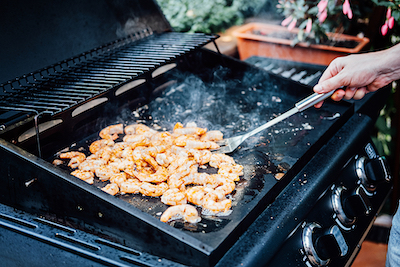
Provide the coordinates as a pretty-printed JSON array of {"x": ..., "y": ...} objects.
[{"x": 28, "y": 183}]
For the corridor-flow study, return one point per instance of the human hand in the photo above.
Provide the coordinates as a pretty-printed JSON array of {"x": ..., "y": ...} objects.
[{"x": 360, "y": 74}]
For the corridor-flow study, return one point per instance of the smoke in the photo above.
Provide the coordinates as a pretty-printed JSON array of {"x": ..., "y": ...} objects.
[{"x": 231, "y": 105}]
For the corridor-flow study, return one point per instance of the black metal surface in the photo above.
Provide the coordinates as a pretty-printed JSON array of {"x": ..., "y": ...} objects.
[
  {"x": 212, "y": 90},
  {"x": 24, "y": 238},
  {"x": 201, "y": 96},
  {"x": 303, "y": 73},
  {"x": 41, "y": 33},
  {"x": 263, "y": 239}
]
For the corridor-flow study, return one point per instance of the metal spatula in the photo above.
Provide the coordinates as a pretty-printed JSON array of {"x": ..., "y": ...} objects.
[{"x": 230, "y": 144}]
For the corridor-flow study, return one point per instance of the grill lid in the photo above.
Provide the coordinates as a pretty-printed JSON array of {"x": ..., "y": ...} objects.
[{"x": 39, "y": 33}]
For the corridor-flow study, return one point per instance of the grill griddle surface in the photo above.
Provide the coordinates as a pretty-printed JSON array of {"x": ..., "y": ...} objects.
[{"x": 234, "y": 106}]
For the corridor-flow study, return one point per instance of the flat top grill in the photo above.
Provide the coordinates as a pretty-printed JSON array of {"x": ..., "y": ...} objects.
[
  {"x": 216, "y": 92},
  {"x": 234, "y": 102}
]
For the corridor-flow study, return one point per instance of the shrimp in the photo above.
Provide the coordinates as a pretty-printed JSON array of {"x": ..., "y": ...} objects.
[
  {"x": 161, "y": 139},
  {"x": 154, "y": 150},
  {"x": 103, "y": 154},
  {"x": 91, "y": 164},
  {"x": 178, "y": 161},
  {"x": 188, "y": 167},
  {"x": 219, "y": 159},
  {"x": 57, "y": 162},
  {"x": 99, "y": 144},
  {"x": 150, "y": 160},
  {"x": 212, "y": 203},
  {"x": 75, "y": 157},
  {"x": 104, "y": 173},
  {"x": 84, "y": 175},
  {"x": 232, "y": 172},
  {"x": 111, "y": 189},
  {"x": 227, "y": 186},
  {"x": 136, "y": 139},
  {"x": 182, "y": 140},
  {"x": 190, "y": 131},
  {"x": 173, "y": 197},
  {"x": 118, "y": 178},
  {"x": 163, "y": 159},
  {"x": 197, "y": 144},
  {"x": 121, "y": 164},
  {"x": 175, "y": 181},
  {"x": 178, "y": 125},
  {"x": 137, "y": 153},
  {"x": 201, "y": 156},
  {"x": 228, "y": 170},
  {"x": 212, "y": 136},
  {"x": 203, "y": 179},
  {"x": 139, "y": 129},
  {"x": 197, "y": 194},
  {"x": 118, "y": 149},
  {"x": 130, "y": 186},
  {"x": 111, "y": 132},
  {"x": 159, "y": 176},
  {"x": 153, "y": 190},
  {"x": 186, "y": 212}
]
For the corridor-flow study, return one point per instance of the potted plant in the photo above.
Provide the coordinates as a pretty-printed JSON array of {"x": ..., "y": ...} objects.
[{"x": 318, "y": 37}]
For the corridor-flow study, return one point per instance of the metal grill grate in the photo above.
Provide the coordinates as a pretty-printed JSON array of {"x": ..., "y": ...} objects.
[{"x": 63, "y": 85}]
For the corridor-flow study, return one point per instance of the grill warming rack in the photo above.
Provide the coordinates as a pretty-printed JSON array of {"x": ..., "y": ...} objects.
[
  {"x": 77, "y": 80},
  {"x": 72, "y": 82}
]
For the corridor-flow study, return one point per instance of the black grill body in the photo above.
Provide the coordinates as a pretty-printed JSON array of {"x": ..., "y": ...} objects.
[{"x": 120, "y": 62}]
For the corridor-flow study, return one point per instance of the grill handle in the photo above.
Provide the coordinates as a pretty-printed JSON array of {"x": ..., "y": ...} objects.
[{"x": 312, "y": 100}]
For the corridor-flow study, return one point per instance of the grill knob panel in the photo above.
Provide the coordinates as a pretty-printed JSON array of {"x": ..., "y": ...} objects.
[
  {"x": 323, "y": 245},
  {"x": 372, "y": 172},
  {"x": 338, "y": 207},
  {"x": 348, "y": 205}
]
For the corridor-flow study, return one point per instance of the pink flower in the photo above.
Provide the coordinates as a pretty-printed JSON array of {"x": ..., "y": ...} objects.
[
  {"x": 309, "y": 26},
  {"x": 389, "y": 13},
  {"x": 347, "y": 9},
  {"x": 322, "y": 5},
  {"x": 391, "y": 23},
  {"x": 322, "y": 17},
  {"x": 384, "y": 29},
  {"x": 292, "y": 24},
  {"x": 286, "y": 21}
]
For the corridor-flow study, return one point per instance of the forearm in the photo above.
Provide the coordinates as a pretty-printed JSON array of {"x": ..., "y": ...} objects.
[{"x": 389, "y": 63}]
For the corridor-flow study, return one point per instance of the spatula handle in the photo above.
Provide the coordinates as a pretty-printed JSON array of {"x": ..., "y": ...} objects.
[{"x": 312, "y": 100}]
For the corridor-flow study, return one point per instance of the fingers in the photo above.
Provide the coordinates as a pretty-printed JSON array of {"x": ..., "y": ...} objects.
[
  {"x": 360, "y": 93},
  {"x": 349, "y": 93},
  {"x": 330, "y": 84},
  {"x": 355, "y": 93},
  {"x": 337, "y": 96}
]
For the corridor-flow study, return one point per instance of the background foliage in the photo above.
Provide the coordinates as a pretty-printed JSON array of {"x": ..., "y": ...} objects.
[{"x": 210, "y": 16}]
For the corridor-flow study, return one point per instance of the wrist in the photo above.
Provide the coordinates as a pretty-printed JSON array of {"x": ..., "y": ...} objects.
[{"x": 390, "y": 63}]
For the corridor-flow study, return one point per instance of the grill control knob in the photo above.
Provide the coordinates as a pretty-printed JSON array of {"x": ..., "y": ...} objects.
[
  {"x": 372, "y": 172},
  {"x": 348, "y": 205},
  {"x": 323, "y": 245}
]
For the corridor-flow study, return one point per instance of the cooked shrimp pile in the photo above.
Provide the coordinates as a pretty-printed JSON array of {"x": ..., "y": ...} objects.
[{"x": 161, "y": 164}]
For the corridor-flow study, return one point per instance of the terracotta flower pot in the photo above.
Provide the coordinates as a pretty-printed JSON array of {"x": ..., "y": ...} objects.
[{"x": 252, "y": 44}]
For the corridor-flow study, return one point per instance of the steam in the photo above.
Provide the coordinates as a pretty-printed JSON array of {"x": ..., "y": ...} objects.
[{"x": 233, "y": 106}]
